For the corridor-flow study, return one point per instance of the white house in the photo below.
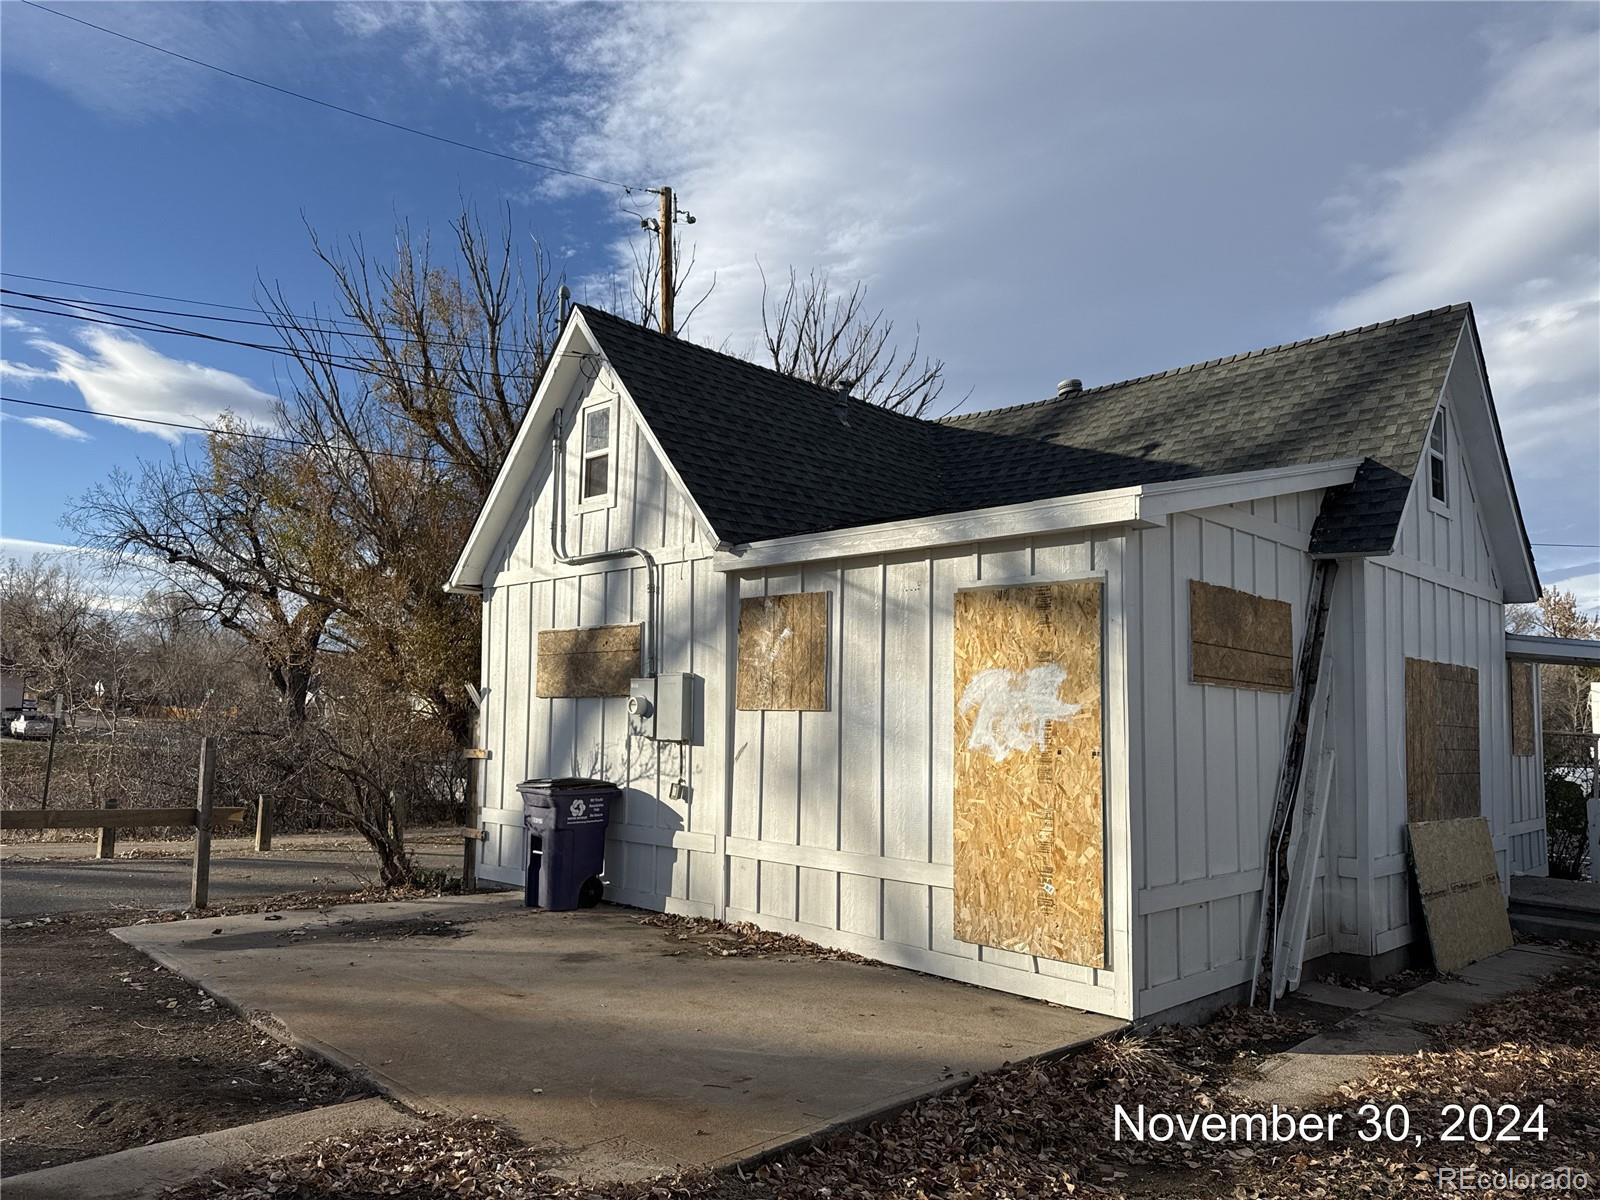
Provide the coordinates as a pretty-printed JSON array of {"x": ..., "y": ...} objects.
[{"x": 1014, "y": 697}]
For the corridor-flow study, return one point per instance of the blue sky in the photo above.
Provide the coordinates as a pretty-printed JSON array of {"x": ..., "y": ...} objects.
[{"x": 1098, "y": 191}]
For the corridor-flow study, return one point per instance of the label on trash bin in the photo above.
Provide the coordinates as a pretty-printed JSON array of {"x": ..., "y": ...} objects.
[{"x": 585, "y": 810}]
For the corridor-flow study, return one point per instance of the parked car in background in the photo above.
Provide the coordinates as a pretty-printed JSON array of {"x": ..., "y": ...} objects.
[{"x": 32, "y": 725}]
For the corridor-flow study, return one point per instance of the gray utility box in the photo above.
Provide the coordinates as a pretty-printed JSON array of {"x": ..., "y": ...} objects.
[
  {"x": 662, "y": 707},
  {"x": 566, "y": 822}
]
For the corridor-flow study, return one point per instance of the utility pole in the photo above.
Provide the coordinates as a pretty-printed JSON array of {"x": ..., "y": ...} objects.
[{"x": 664, "y": 225}]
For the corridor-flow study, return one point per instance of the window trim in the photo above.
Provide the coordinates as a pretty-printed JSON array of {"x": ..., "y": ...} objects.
[
  {"x": 1439, "y": 453},
  {"x": 607, "y": 498}
]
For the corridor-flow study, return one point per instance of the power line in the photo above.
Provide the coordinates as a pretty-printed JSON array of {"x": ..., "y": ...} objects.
[
  {"x": 112, "y": 414},
  {"x": 342, "y": 327},
  {"x": 351, "y": 112},
  {"x": 1568, "y": 545},
  {"x": 345, "y": 362}
]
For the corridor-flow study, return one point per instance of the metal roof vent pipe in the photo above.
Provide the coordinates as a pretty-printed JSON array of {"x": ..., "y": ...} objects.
[{"x": 1068, "y": 387}]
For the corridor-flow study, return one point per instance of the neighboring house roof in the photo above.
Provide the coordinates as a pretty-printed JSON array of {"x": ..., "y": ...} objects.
[{"x": 766, "y": 455}]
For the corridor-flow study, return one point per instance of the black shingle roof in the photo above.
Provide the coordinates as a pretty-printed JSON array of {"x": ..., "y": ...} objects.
[{"x": 768, "y": 456}]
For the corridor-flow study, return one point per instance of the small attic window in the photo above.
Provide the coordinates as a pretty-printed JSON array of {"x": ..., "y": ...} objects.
[
  {"x": 1438, "y": 477},
  {"x": 599, "y": 430}
]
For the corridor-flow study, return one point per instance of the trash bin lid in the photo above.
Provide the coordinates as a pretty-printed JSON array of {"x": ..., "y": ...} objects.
[{"x": 563, "y": 784}]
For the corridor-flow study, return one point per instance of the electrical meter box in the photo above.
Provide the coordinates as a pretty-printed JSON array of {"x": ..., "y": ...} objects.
[{"x": 662, "y": 707}]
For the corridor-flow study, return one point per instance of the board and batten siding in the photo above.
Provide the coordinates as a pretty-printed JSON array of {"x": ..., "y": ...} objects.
[
  {"x": 1437, "y": 597},
  {"x": 840, "y": 825},
  {"x": 1529, "y": 845},
  {"x": 662, "y": 853},
  {"x": 1205, "y": 757}
]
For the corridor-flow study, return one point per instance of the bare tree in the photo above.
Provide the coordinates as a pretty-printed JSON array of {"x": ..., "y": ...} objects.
[
  {"x": 639, "y": 295},
  {"x": 1564, "y": 691},
  {"x": 832, "y": 339},
  {"x": 213, "y": 532}
]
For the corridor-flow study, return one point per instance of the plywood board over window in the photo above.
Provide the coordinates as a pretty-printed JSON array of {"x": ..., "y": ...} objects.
[
  {"x": 1442, "y": 764},
  {"x": 1238, "y": 639},
  {"x": 1521, "y": 691},
  {"x": 1460, "y": 889},
  {"x": 783, "y": 653},
  {"x": 1029, "y": 821},
  {"x": 600, "y": 661}
]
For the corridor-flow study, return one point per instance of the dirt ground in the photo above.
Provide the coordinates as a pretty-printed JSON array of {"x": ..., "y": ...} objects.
[
  {"x": 103, "y": 1050},
  {"x": 1045, "y": 1130}
]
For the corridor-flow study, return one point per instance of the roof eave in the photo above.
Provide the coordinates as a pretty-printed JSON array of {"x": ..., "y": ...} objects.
[
  {"x": 466, "y": 577},
  {"x": 1141, "y": 507}
]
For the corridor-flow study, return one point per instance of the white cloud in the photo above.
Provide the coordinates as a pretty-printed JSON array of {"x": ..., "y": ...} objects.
[
  {"x": 7, "y": 321},
  {"x": 1584, "y": 584},
  {"x": 118, "y": 584},
  {"x": 121, "y": 376},
  {"x": 116, "y": 77},
  {"x": 854, "y": 138},
  {"x": 22, "y": 373},
  {"x": 1504, "y": 210},
  {"x": 61, "y": 429}
]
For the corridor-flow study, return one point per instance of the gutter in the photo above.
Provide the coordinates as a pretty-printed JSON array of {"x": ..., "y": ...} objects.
[{"x": 1143, "y": 506}]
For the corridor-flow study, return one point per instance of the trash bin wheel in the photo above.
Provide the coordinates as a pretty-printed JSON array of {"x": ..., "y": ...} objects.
[{"x": 591, "y": 892}]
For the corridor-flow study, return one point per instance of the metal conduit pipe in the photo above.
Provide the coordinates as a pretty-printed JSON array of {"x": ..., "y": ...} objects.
[{"x": 558, "y": 541}]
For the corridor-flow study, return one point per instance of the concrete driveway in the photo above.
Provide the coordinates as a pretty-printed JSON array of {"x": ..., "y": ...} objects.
[
  {"x": 625, "y": 1050},
  {"x": 40, "y": 879}
]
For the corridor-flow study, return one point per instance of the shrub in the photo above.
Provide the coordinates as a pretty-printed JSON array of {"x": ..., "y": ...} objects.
[{"x": 1566, "y": 818}]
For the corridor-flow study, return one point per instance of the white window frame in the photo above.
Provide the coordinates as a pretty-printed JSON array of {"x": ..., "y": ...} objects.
[
  {"x": 1440, "y": 453},
  {"x": 607, "y": 498}
]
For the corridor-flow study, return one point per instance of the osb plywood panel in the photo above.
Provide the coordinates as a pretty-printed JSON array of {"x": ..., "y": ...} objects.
[
  {"x": 1029, "y": 825},
  {"x": 1521, "y": 707},
  {"x": 783, "y": 653},
  {"x": 1239, "y": 639},
  {"x": 1461, "y": 901},
  {"x": 599, "y": 661},
  {"x": 1442, "y": 761}
]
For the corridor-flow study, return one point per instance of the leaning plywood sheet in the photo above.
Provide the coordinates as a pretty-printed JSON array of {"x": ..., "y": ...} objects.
[
  {"x": 1029, "y": 821},
  {"x": 1521, "y": 707},
  {"x": 587, "y": 662},
  {"x": 1239, "y": 639},
  {"x": 1460, "y": 888},
  {"x": 783, "y": 653},
  {"x": 1442, "y": 765}
]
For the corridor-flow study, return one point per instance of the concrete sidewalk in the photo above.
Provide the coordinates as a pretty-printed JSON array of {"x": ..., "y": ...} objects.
[
  {"x": 1403, "y": 1024},
  {"x": 627, "y": 1051},
  {"x": 145, "y": 1172}
]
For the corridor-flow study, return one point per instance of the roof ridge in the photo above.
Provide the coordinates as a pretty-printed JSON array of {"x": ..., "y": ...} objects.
[
  {"x": 823, "y": 393},
  {"x": 1211, "y": 362}
]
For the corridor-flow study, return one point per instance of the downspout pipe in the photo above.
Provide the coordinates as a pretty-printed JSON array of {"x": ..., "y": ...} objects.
[{"x": 558, "y": 543}]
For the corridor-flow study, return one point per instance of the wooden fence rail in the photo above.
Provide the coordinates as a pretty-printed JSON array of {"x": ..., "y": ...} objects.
[
  {"x": 112, "y": 818},
  {"x": 202, "y": 818}
]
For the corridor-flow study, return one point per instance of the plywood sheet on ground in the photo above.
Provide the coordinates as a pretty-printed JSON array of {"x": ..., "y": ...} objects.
[
  {"x": 1442, "y": 758},
  {"x": 599, "y": 661},
  {"x": 783, "y": 653},
  {"x": 1460, "y": 888},
  {"x": 1029, "y": 821},
  {"x": 1521, "y": 707},
  {"x": 1239, "y": 639}
]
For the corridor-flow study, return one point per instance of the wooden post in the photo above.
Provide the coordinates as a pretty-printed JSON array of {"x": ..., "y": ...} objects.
[
  {"x": 263, "y": 822},
  {"x": 106, "y": 846},
  {"x": 50, "y": 762},
  {"x": 666, "y": 261},
  {"x": 202, "y": 825},
  {"x": 469, "y": 854}
]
